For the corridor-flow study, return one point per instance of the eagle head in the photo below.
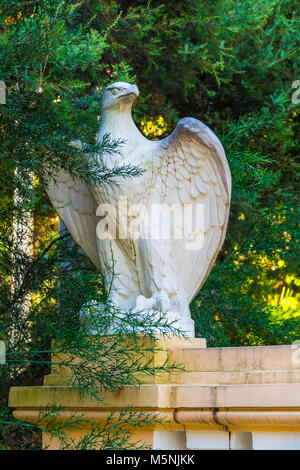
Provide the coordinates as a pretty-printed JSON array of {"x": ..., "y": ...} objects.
[{"x": 119, "y": 96}]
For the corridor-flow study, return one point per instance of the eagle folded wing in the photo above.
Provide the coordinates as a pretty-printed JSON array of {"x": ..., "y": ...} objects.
[
  {"x": 76, "y": 207},
  {"x": 193, "y": 170}
]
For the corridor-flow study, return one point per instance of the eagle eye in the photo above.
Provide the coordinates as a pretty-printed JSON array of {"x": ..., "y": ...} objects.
[{"x": 114, "y": 91}]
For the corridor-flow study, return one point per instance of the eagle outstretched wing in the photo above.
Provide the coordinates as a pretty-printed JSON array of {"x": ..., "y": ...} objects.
[
  {"x": 193, "y": 169},
  {"x": 77, "y": 208}
]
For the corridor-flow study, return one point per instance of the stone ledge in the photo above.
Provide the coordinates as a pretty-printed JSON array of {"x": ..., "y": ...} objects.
[
  {"x": 164, "y": 396},
  {"x": 223, "y": 390},
  {"x": 201, "y": 378},
  {"x": 230, "y": 419},
  {"x": 236, "y": 359},
  {"x": 61, "y": 374}
]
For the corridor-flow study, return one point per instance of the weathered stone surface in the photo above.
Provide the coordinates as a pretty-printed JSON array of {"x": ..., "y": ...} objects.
[{"x": 195, "y": 406}]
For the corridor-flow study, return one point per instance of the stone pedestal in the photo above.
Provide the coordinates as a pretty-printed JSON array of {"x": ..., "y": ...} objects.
[{"x": 227, "y": 398}]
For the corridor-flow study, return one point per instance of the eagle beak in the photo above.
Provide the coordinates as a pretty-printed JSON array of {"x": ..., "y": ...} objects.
[
  {"x": 131, "y": 90},
  {"x": 135, "y": 90}
]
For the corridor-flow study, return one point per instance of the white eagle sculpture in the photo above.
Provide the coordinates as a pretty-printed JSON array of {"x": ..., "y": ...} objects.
[{"x": 112, "y": 223}]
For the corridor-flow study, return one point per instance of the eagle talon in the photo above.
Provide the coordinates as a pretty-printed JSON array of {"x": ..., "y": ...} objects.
[
  {"x": 143, "y": 303},
  {"x": 162, "y": 302}
]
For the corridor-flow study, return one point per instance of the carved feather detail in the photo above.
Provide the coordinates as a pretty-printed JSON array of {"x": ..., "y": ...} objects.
[{"x": 203, "y": 177}]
